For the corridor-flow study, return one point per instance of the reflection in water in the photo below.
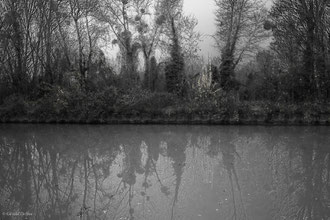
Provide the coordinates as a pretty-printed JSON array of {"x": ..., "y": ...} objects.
[
  {"x": 164, "y": 172},
  {"x": 228, "y": 151}
]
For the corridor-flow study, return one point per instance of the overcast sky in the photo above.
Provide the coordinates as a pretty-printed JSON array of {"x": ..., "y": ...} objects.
[{"x": 203, "y": 10}]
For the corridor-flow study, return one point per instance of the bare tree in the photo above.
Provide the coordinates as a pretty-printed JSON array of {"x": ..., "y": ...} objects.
[
  {"x": 302, "y": 36},
  {"x": 239, "y": 33},
  {"x": 120, "y": 16},
  {"x": 150, "y": 26},
  {"x": 15, "y": 29},
  {"x": 87, "y": 33},
  {"x": 180, "y": 40}
]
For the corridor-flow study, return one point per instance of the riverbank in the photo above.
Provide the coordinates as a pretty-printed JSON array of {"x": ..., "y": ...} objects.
[
  {"x": 143, "y": 107},
  {"x": 247, "y": 115},
  {"x": 174, "y": 122}
]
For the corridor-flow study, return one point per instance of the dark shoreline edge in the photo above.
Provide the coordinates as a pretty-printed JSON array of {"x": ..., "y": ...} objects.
[{"x": 296, "y": 121}]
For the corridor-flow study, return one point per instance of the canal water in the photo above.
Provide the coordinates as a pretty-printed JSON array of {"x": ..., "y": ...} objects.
[{"x": 164, "y": 172}]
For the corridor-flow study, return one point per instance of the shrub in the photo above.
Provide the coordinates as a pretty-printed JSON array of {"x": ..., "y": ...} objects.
[
  {"x": 138, "y": 100},
  {"x": 54, "y": 103},
  {"x": 211, "y": 100},
  {"x": 13, "y": 106},
  {"x": 5, "y": 91},
  {"x": 100, "y": 104},
  {"x": 156, "y": 102}
]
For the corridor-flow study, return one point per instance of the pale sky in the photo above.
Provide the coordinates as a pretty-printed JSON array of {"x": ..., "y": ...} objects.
[{"x": 204, "y": 10}]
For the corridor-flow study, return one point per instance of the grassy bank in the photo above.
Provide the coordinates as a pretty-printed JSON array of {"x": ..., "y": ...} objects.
[{"x": 138, "y": 106}]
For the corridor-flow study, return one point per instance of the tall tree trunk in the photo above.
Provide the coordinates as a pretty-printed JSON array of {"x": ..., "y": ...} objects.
[
  {"x": 19, "y": 79},
  {"x": 147, "y": 77},
  {"x": 80, "y": 59},
  {"x": 174, "y": 71},
  {"x": 90, "y": 44},
  {"x": 310, "y": 61}
]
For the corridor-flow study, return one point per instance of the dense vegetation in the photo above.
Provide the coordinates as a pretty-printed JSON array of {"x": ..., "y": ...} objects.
[{"x": 56, "y": 65}]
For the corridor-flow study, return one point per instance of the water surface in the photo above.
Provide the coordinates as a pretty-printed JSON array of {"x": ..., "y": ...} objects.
[{"x": 164, "y": 172}]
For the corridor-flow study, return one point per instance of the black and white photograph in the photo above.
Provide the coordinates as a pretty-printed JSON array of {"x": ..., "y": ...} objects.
[{"x": 164, "y": 109}]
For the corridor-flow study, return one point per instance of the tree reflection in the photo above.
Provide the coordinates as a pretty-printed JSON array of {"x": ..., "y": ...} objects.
[
  {"x": 132, "y": 172},
  {"x": 229, "y": 155},
  {"x": 39, "y": 174},
  {"x": 15, "y": 178},
  {"x": 176, "y": 146},
  {"x": 303, "y": 193}
]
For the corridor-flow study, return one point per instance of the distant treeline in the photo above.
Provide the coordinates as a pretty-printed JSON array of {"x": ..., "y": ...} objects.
[{"x": 54, "y": 62}]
